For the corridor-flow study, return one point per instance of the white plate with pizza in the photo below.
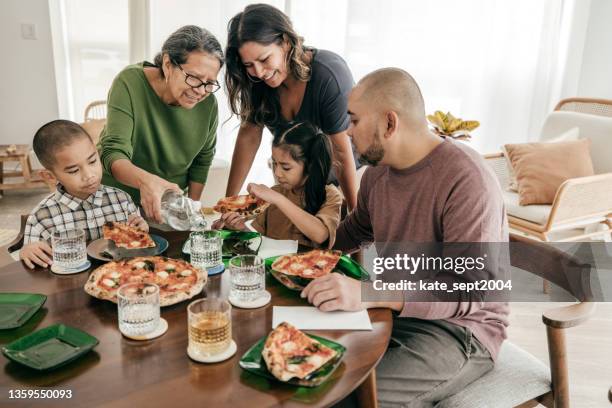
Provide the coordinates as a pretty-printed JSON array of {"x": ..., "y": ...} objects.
[
  {"x": 246, "y": 205},
  {"x": 294, "y": 357},
  {"x": 178, "y": 280}
]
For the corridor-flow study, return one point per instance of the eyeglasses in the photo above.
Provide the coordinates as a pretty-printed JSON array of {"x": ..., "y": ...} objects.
[{"x": 195, "y": 82}]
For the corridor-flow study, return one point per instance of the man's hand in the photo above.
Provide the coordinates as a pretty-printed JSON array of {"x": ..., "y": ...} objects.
[
  {"x": 137, "y": 221},
  {"x": 230, "y": 220},
  {"x": 334, "y": 292},
  {"x": 36, "y": 253}
]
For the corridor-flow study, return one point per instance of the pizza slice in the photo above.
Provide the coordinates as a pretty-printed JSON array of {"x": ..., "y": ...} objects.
[
  {"x": 309, "y": 265},
  {"x": 289, "y": 353},
  {"x": 127, "y": 236},
  {"x": 246, "y": 205}
]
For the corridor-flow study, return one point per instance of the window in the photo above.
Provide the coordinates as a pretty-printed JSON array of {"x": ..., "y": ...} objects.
[{"x": 93, "y": 38}]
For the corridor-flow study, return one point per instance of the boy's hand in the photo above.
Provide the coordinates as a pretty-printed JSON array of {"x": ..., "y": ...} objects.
[
  {"x": 137, "y": 221},
  {"x": 264, "y": 192},
  {"x": 37, "y": 253},
  {"x": 230, "y": 220}
]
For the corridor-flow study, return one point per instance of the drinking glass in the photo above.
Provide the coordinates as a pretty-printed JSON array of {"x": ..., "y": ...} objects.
[
  {"x": 206, "y": 249},
  {"x": 247, "y": 277},
  {"x": 210, "y": 326},
  {"x": 69, "y": 250},
  {"x": 138, "y": 305}
]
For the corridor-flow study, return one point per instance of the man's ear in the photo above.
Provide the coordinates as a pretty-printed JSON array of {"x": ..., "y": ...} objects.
[
  {"x": 48, "y": 177},
  {"x": 392, "y": 124}
]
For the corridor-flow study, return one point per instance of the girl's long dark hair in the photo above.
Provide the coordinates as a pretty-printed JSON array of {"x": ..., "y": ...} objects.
[
  {"x": 310, "y": 146},
  {"x": 256, "y": 102}
]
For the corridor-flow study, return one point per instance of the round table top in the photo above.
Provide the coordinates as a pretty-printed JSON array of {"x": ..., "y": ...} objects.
[{"x": 123, "y": 372}]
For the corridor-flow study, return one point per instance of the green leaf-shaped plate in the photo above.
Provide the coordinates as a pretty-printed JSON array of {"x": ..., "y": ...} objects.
[
  {"x": 346, "y": 266},
  {"x": 253, "y": 362}
]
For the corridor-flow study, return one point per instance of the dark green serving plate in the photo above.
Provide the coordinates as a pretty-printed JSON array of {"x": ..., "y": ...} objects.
[
  {"x": 235, "y": 243},
  {"x": 346, "y": 266},
  {"x": 253, "y": 362},
  {"x": 50, "y": 348},
  {"x": 17, "y": 308}
]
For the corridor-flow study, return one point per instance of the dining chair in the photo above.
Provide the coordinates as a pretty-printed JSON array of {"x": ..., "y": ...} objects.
[{"x": 519, "y": 379}]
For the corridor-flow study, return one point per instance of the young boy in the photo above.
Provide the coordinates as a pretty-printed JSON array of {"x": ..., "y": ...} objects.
[{"x": 71, "y": 160}]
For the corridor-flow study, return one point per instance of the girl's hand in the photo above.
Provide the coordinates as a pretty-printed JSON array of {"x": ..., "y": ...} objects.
[
  {"x": 152, "y": 189},
  {"x": 230, "y": 220},
  {"x": 264, "y": 192},
  {"x": 137, "y": 221}
]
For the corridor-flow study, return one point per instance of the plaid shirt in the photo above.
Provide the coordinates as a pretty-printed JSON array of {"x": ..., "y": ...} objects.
[{"x": 62, "y": 211}]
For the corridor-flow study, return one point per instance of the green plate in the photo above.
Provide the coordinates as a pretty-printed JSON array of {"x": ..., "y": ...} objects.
[
  {"x": 50, "y": 347},
  {"x": 253, "y": 362},
  {"x": 346, "y": 266},
  {"x": 17, "y": 308},
  {"x": 235, "y": 243}
]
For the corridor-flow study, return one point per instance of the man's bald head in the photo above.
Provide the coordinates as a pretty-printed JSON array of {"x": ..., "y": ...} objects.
[{"x": 393, "y": 89}]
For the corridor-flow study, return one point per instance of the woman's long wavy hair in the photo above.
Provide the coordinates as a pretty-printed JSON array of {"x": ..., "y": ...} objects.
[
  {"x": 306, "y": 144},
  {"x": 256, "y": 102}
]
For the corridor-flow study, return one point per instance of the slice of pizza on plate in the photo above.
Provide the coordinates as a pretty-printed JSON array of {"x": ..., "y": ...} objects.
[
  {"x": 127, "y": 236},
  {"x": 290, "y": 353}
]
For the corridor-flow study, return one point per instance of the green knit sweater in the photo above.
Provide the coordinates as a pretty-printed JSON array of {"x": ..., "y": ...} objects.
[{"x": 172, "y": 142}]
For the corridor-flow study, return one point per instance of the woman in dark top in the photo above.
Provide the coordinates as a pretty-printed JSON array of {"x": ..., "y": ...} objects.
[{"x": 273, "y": 79}]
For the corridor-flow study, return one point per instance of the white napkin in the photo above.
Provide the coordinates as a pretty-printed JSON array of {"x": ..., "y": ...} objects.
[
  {"x": 273, "y": 247},
  {"x": 311, "y": 318}
]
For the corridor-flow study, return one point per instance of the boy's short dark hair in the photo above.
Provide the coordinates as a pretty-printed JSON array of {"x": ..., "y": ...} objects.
[{"x": 53, "y": 136}]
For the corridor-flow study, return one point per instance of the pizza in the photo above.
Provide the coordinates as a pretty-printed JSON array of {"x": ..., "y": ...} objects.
[
  {"x": 309, "y": 265},
  {"x": 127, "y": 236},
  {"x": 290, "y": 353},
  {"x": 177, "y": 280},
  {"x": 246, "y": 205}
]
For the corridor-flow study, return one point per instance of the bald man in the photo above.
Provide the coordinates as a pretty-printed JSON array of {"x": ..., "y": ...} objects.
[{"x": 420, "y": 188}]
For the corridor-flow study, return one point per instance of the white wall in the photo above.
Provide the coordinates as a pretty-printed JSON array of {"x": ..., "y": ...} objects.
[
  {"x": 27, "y": 78},
  {"x": 596, "y": 72}
]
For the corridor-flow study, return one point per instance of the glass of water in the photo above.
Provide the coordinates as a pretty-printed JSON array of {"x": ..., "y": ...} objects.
[
  {"x": 248, "y": 277},
  {"x": 206, "y": 250},
  {"x": 138, "y": 305},
  {"x": 69, "y": 250},
  {"x": 210, "y": 326}
]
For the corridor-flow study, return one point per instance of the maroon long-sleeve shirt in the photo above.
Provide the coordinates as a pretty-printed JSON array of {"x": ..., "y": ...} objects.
[{"x": 449, "y": 196}]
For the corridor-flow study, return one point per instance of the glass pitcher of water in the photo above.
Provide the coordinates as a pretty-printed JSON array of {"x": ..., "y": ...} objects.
[{"x": 182, "y": 213}]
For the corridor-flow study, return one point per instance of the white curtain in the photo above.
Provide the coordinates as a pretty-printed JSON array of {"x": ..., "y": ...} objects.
[
  {"x": 489, "y": 60},
  {"x": 496, "y": 61}
]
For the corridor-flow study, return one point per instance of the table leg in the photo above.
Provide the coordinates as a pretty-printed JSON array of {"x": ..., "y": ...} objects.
[
  {"x": 366, "y": 392},
  {"x": 25, "y": 168},
  {"x": 1, "y": 178}
]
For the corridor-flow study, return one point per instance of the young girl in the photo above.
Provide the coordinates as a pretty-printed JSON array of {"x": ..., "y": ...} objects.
[{"x": 303, "y": 206}]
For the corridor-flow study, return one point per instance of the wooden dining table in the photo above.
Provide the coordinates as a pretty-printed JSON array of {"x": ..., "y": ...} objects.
[{"x": 121, "y": 372}]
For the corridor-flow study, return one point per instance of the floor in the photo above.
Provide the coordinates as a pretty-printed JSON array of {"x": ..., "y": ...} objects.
[{"x": 589, "y": 345}]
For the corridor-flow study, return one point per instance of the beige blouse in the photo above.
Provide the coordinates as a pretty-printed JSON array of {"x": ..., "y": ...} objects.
[{"x": 273, "y": 223}]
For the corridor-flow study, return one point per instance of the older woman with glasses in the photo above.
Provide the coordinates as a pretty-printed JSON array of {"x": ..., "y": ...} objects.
[{"x": 162, "y": 120}]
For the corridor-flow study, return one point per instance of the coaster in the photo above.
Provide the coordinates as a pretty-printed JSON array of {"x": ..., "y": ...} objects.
[
  {"x": 229, "y": 352},
  {"x": 69, "y": 271},
  {"x": 162, "y": 327},
  {"x": 215, "y": 270},
  {"x": 263, "y": 300}
]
